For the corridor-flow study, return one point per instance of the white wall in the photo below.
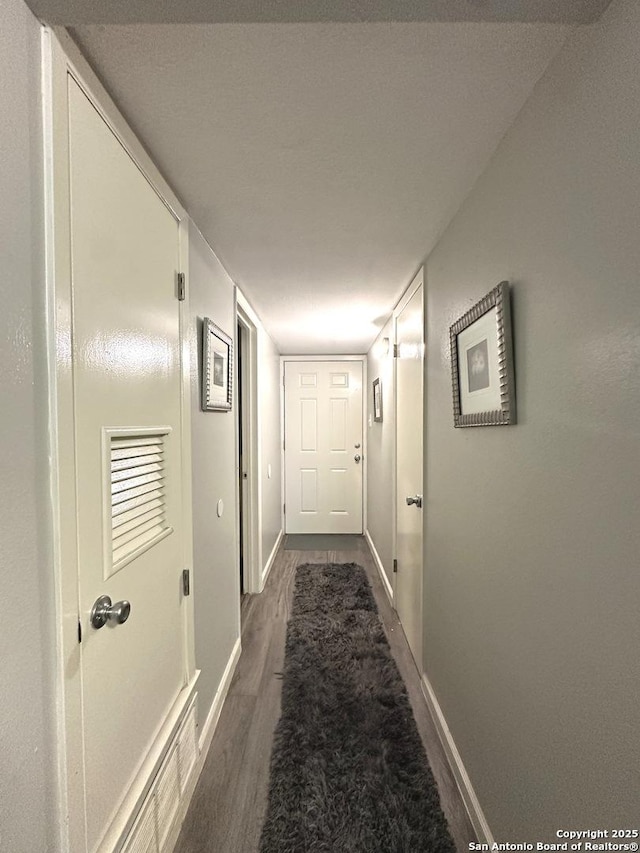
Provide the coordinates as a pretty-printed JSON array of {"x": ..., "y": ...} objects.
[
  {"x": 27, "y": 821},
  {"x": 216, "y": 580},
  {"x": 533, "y": 536},
  {"x": 380, "y": 449}
]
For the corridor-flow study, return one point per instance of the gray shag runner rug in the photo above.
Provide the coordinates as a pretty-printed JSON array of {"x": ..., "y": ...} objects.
[{"x": 348, "y": 770}]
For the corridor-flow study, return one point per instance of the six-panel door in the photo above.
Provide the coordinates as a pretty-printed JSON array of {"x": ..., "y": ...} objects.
[{"x": 323, "y": 446}]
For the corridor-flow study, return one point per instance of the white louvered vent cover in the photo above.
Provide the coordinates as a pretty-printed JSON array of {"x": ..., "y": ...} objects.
[
  {"x": 144, "y": 838},
  {"x": 138, "y": 499},
  {"x": 167, "y": 793},
  {"x": 155, "y": 828},
  {"x": 187, "y": 749}
]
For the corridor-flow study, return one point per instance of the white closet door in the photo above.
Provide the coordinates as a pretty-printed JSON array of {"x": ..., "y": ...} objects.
[{"x": 127, "y": 399}]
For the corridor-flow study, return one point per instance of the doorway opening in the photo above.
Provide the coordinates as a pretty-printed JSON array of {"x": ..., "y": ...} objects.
[
  {"x": 242, "y": 462},
  {"x": 246, "y": 374}
]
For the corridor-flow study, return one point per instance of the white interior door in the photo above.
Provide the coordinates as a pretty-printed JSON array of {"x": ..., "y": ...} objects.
[
  {"x": 409, "y": 439},
  {"x": 127, "y": 418},
  {"x": 323, "y": 446}
]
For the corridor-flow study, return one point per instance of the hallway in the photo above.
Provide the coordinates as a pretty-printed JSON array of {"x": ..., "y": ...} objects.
[
  {"x": 295, "y": 166},
  {"x": 229, "y": 803}
]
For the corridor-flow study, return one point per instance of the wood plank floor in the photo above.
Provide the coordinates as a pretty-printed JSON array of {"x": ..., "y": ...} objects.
[{"x": 230, "y": 800}]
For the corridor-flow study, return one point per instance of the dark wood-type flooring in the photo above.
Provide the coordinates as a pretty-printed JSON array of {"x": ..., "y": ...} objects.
[{"x": 229, "y": 803}]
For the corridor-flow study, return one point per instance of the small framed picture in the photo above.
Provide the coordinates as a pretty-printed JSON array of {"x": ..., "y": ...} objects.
[
  {"x": 377, "y": 400},
  {"x": 482, "y": 363},
  {"x": 217, "y": 368}
]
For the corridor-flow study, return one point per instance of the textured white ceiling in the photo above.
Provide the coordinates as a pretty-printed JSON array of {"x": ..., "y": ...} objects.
[
  {"x": 72, "y": 12},
  {"x": 321, "y": 161}
]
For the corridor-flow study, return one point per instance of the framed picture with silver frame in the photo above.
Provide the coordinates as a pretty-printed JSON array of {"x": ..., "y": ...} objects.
[
  {"x": 377, "y": 400},
  {"x": 482, "y": 371},
  {"x": 217, "y": 368}
]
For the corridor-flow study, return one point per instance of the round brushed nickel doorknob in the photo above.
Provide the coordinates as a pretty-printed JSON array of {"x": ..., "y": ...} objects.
[
  {"x": 357, "y": 457},
  {"x": 104, "y": 611},
  {"x": 417, "y": 501}
]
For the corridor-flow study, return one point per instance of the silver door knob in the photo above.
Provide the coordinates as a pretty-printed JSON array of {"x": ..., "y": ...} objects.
[
  {"x": 417, "y": 500},
  {"x": 104, "y": 611},
  {"x": 357, "y": 457}
]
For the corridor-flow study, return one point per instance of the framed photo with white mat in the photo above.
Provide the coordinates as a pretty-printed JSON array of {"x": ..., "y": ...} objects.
[
  {"x": 217, "y": 368},
  {"x": 482, "y": 371}
]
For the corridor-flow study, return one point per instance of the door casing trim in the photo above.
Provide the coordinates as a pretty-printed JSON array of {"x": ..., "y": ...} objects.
[{"x": 253, "y": 544}]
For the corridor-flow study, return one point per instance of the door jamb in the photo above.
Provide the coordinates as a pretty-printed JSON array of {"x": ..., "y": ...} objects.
[
  {"x": 361, "y": 358},
  {"x": 61, "y": 58},
  {"x": 252, "y": 556}
]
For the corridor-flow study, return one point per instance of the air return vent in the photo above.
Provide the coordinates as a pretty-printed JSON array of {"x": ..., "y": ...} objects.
[
  {"x": 157, "y": 824},
  {"x": 137, "y": 492}
]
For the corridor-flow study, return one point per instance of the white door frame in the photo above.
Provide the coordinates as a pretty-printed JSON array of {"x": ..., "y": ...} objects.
[
  {"x": 251, "y": 449},
  {"x": 416, "y": 282},
  {"x": 361, "y": 358},
  {"x": 60, "y": 59}
]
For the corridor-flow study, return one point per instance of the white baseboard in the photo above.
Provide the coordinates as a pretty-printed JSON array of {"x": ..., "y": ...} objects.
[
  {"x": 472, "y": 805},
  {"x": 271, "y": 560},
  {"x": 209, "y": 727},
  {"x": 378, "y": 562}
]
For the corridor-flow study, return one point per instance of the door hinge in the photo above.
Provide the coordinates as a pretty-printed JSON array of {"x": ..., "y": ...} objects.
[
  {"x": 284, "y": 444},
  {"x": 395, "y": 350},
  {"x": 284, "y": 509},
  {"x": 79, "y": 630},
  {"x": 186, "y": 582},
  {"x": 395, "y": 566},
  {"x": 182, "y": 287}
]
